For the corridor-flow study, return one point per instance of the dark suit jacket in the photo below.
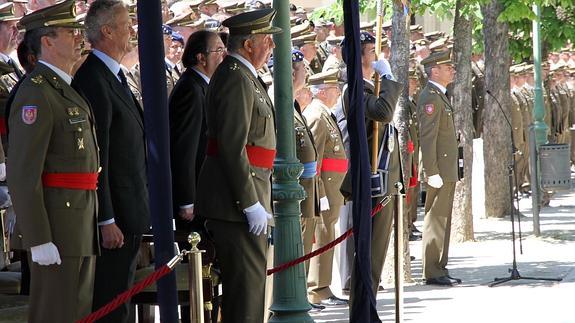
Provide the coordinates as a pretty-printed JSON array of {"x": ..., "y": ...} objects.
[
  {"x": 187, "y": 136},
  {"x": 122, "y": 184}
]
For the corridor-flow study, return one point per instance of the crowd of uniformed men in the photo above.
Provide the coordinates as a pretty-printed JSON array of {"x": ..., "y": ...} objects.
[{"x": 64, "y": 99}]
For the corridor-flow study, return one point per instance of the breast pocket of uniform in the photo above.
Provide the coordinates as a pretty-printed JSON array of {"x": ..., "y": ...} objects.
[
  {"x": 263, "y": 117},
  {"x": 75, "y": 128}
]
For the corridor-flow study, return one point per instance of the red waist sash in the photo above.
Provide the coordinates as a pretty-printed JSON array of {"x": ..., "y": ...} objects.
[
  {"x": 258, "y": 156},
  {"x": 334, "y": 165},
  {"x": 73, "y": 181}
]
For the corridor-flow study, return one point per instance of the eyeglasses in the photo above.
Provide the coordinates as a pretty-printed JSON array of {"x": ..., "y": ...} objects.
[{"x": 219, "y": 50}]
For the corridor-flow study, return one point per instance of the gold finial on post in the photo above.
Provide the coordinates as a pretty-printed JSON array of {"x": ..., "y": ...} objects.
[{"x": 194, "y": 239}]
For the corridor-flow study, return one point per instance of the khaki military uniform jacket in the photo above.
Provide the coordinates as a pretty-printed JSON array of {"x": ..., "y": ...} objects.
[
  {"x": 52, "y": 131},
  {"x": 517, "y": 120},
  {"x": 413, "y": 130},
  {"x": 8, "y": 80},
  {"x": 307, "y": 155},
  {"x": 437, "y": 137},
  {"x": 329, "y": 144},
  {"x": 239, "y": 113}
]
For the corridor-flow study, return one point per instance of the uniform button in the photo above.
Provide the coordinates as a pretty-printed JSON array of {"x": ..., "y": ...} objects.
[
  {"x": 444, "y": 155},
  {"x": 238, "y": 202},
  {"x": 329, "y": 178},
  {"x": 79, "y": 129},
  {"x": 20, "y": 236},
  {"x": 67, "y": 204},
  {"x": 253, "y": 174},
  {"x": 99, "y": 169}
]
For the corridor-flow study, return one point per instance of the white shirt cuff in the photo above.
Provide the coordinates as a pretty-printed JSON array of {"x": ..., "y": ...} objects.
[{"x": 110, "y": 221}]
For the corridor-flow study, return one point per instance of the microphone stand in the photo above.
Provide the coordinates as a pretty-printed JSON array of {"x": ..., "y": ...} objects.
[{"x": 514, "y": 199}]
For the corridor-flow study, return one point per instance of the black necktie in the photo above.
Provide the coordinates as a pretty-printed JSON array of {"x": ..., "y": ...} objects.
[
  {"x": 124, "y": 82},
  {"x": 16, "y": 68}
]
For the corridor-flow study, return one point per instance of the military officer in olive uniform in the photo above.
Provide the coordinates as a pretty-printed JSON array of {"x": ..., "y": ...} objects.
[
  {"x": 235, "y": 178},
  {"x": 54, "y": 169},
  {"x": 332, "y": 166},
  {"x": 413, "y": 159},
  {"x": 439, "y": 155},
  {"x": 9, "y": 70},
  {"x": 307, "y": 155}
]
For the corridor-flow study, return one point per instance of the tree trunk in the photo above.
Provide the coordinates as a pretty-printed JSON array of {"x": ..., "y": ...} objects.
[
  {"x": 400, "y": 66},
  {"x": 496, "y": 131},
  {"x": 462, "y": 221}
]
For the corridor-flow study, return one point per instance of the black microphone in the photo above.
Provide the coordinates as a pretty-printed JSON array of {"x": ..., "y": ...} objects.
[{"x": 515, "y": 151}]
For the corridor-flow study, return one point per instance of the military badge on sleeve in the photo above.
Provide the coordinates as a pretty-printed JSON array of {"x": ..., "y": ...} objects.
[
  {"x": 29, "y": 114},
  {"x": 429, "y": 109}
]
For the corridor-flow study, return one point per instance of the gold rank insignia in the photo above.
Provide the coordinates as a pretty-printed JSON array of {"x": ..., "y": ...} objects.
[
  {"x": 75, "y": 111},
  {"x": 80, "y": 143},
  {"x": 37, "y": 79},
  {"x": 234, "y": 67}
]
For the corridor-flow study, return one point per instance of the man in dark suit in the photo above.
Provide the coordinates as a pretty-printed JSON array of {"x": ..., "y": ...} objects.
[
  {"x": 53, "y": 171},
  {"x": 203, "y": 53},
  {"x": 124, "y": 213}
]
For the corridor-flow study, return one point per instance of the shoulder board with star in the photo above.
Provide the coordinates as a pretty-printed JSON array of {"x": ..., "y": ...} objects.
[{"x": 38, "y": 79}]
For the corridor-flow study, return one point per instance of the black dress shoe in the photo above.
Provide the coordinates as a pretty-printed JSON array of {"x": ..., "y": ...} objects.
[
  {"x": 412, "y": 258},
  {"x": 333, "y": 301},
  {"x": 414, "y": 237},
  {"x": 318, "y": 307},
  {"x": 457, "y": 280},
  {"x": 345, "y": 291},
  {"x": 380, "y": 288},
  {"x": 442, "y": 281},
  {"x": 415, "y": 231}
]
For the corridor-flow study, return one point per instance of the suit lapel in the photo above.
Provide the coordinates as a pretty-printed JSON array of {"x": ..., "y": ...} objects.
[{"x": 116, "y": 87}]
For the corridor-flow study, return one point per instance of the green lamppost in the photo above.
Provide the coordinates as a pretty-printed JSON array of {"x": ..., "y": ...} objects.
[
  {"x": 290, "y": 302},
  {"x": 539, "y": 127},
  {"x": 538, "y": 108}
]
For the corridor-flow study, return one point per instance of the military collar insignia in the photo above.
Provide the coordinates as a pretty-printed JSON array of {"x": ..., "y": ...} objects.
[
  {"x": 234, "y": 67},
  {"x": 38, "y": 79}
]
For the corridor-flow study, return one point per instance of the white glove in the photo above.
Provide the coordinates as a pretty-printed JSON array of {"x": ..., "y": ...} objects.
[
  {"x": 257, "y": 219},
  {"x": 46, "y": 254},
  {"x": 435, "y": 181},
  {"x": 323, "y": 204},
  {"x": 2, "y": 171},
  {"x": 382, "y": 67}
]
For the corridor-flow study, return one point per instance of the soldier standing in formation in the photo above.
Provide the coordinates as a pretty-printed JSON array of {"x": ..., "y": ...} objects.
[
  {"x": 236, "y": 175},
  {"x": 332, "y": 167},
  {"x": 54, "y": 170},
  {"x": 439, "y": 156}
]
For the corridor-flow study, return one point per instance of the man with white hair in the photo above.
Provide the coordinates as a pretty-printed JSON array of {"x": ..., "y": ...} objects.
[{"x": 332, "y": 167}]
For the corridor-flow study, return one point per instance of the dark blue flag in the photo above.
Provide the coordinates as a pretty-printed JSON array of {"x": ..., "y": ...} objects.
[
  {"x": 363, "y": 307},
  {"x": 155, "y": 98}
]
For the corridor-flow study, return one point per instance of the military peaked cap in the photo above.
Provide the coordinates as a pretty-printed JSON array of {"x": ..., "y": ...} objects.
[
  {"x": 252, "y": 22},
  {"x": 62, "y": 14},
  {"x": 327, "y": 77},
  {"x": 437, "y": 58},
  {"x": 7, "y": 12}
]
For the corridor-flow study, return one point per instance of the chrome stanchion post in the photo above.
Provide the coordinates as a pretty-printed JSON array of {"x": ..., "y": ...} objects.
[
  {"x": 196, "y": 295},
  {"x": 398, "y": 239}
]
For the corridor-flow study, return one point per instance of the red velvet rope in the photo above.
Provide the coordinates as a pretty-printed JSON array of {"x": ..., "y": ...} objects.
[
  {"x": 125, "y": 296},
  {"x": 323, "y": 249},
  {"x": 162, "y": 271}
]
